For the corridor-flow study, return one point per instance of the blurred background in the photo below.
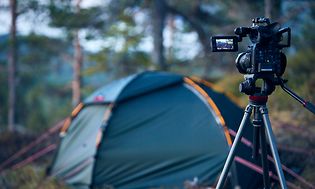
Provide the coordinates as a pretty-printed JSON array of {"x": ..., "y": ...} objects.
[{"x": 53, "y": 53}]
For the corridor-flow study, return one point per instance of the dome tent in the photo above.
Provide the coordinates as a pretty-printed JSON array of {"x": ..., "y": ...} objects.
[{"x": 151, "y": 130}]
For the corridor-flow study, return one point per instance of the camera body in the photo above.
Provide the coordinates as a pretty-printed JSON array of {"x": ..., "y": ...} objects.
[
  {"x": 264, "y": 55},
  {"x": 261, "y": 59},
  {"x": 264, "y": 58}
]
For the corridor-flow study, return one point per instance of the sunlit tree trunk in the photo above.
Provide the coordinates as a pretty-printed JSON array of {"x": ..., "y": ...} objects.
[
  {"x": 158, "y": 21},
  {"x": 78, "y": 60},
  {"x": 12, "y": 59}
]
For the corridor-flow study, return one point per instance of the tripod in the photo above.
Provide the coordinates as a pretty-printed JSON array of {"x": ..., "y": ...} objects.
[{"x": 262, "y": 126}]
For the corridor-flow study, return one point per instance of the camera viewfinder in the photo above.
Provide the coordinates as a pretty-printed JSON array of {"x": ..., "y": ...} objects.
[{"x": 224, "y": 43}]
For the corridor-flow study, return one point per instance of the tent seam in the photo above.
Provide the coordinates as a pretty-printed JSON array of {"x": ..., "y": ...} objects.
[{"x": 132, "y": 80}]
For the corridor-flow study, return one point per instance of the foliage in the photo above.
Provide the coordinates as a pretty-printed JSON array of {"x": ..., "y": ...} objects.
[
  {"x": 28, "y": 177},
  {"x": 12, "y": 142},
  {"x": 39, "y": 60},
  {"x": 302, "y": 83}
]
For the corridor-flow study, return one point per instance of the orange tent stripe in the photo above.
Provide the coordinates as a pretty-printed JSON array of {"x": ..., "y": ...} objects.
[
  {"x": 65, "y": 126},
  {"x": 213, "y": 106},
  {"x": 77, "y": 109},
  {"x": 74, "y": 113}
]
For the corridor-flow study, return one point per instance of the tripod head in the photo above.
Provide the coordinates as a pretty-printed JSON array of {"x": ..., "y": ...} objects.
[
  {"x": 256, "y": 94},
  {"x": 268, "y": 84}
]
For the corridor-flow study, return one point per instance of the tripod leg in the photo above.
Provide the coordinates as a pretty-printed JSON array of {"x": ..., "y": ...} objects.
[
  {"x": 273, "y": 146},
  {"x": 264, "y": 159},
  {"x": 231, "y": 155},
  {"x": 257, "y": 122}
]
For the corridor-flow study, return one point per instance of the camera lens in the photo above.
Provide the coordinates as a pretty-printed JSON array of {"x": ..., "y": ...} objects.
[{"x": 243, "y": 62}]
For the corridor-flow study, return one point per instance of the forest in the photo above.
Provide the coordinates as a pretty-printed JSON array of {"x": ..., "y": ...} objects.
[{"x": 54, "y": 53}]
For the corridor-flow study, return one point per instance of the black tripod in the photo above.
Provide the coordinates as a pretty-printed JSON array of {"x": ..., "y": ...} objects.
[{"x": 262, "y": 126}]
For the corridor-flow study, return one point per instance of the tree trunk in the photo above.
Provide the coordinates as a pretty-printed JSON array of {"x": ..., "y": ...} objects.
[
  {"x": 78, "y": 60},
  {"x": 159, "y": 15},
  {"x": 12, "y": 59},
  {"x": 272, "y": 9},
  {"x": 172, "y": 30}
]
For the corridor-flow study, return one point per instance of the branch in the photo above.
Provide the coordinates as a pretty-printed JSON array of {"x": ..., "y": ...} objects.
[
  {"x": 203, "y": 36},
  {"x": 4, "y": 8}
]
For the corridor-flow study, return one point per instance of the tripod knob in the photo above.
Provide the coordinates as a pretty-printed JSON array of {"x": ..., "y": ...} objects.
[{"x": 247, "y": 87}]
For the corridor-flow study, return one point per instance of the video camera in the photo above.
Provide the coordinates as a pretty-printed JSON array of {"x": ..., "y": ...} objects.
[{"x": 263, "y": 58}]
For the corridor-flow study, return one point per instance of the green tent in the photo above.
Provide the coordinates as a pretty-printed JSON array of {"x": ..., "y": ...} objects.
[{"x": 151, "y": 130}]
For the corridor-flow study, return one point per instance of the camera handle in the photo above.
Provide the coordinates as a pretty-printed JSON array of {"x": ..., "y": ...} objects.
[{"x": 308, "y": 105}]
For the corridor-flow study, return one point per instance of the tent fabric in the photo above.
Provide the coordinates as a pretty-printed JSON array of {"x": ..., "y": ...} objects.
[
  {"x": 75, "y": 158},
  {"x": 147, "y": 148},
  {"x": 163, "y": 130},
  {"x": 133, "y": 85},
  {"x": 148, "y": 82},
  {"x": 110, "y": 92}
]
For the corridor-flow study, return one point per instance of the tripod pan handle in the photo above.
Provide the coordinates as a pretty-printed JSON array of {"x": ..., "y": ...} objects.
[{"x": 310, "y": 107}]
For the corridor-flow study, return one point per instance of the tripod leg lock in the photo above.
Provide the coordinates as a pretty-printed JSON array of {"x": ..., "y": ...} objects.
[
  {"x": 263, "y": 110},
  {"x": 248, "y": 109}
]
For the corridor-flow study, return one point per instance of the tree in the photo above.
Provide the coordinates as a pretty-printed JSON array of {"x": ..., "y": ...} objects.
[
  {"x": 158, "y": 23},
  {"x": 16, "y": 9},
  {"x": 12, "y": 59},
  {"x": 160, "y": 10},
  {"x": 77, "y": 19},
  {"x": 78, "y": 60}
]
